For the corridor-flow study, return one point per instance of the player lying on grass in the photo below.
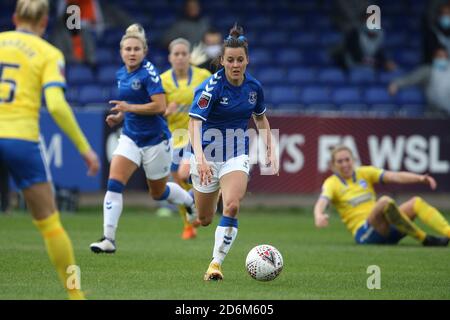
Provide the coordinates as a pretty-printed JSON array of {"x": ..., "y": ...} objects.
[{"x": 371, "y": 221}]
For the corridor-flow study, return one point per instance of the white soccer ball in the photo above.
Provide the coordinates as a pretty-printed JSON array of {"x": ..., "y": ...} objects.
[{"x": 264, "y": 262}]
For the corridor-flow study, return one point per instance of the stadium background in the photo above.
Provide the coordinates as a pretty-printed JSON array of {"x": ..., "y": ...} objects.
[{"x": 310, "y": 100}]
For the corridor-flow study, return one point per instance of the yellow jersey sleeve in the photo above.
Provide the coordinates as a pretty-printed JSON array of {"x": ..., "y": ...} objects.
[
  {"x": 53, "y": 72},
  {"x": 372, "y": 174},
  {"x": 328, "y": 190},
  {"x": 65, "y": 119}
]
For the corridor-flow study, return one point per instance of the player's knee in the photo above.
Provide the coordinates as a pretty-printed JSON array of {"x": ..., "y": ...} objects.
[
  {"x": 156, "y": 194},
  {"x": 205, "y": 220},
  {"x": 232, "y": 207},
  {"x": 385, "y": 200},
  {"x": 415, "y": 200}
]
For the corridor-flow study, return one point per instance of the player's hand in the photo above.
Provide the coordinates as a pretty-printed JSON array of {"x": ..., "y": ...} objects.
[
  {"x": 429, "y": 180},
  {"x": 114, "y": 119},
  {"x": 321, "y": 220},
  {"x": 120, "y": 106},
  {"x": 205, "y": 172},
  {"x": 171, "y": 108},
  {"x": 272, "y": 161},
  {"x": 92, "y": 162}
]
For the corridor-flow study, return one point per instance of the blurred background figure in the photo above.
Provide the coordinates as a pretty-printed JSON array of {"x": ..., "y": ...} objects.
[
  {"x": 363, "y": 47},
  {"x": 346, "y": 14},
  {"x": 212, "y": 46},
  {"x": 78, "y": 45},
  {"x": 437, "y": 32},
  {"x": 191, "y": 26},
  {"x": 435, "y": 80}
]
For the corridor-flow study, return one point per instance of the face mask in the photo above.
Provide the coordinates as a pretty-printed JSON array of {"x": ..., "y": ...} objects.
[
  {"x": 444, "y": 22},
  {"x": 213, "y": 50},
  {"x": 440, "y": 63}
]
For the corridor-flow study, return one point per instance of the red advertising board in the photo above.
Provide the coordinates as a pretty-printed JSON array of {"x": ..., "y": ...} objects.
[{"x": 416, "y": 145}]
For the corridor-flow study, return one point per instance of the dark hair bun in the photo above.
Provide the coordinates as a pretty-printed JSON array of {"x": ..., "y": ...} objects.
[{"x": 236, "y": 31}]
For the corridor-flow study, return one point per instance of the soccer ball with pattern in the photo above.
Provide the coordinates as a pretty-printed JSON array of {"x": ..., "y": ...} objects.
[{"x": 264, "y": 262}]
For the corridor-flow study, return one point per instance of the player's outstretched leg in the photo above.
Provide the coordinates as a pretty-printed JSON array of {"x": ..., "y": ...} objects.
[
  {"x": 177, "y": 195},
  {"x": 59, "y": 249},
  {"x": 431, "y": 216},
  {"x": 112, "y": 209},
  {"x": 405, "y": 225}
]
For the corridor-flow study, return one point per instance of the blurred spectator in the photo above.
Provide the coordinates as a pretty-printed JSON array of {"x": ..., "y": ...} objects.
[
  {"x": 434, "y": 78},
  {"x": 363, "y": 47},
  {"x": 212, "y": 47},
  {"x": 116, "y": 16},
  {"x": 346, "y": 14},
  {"x": 4, "y": 187},
  {"x": 437, "y": 33},
  {"x": 78, "y": 45},
  {"x": 191, "y": 26}
]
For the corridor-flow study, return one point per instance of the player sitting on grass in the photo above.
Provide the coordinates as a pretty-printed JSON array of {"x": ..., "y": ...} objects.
[{"x": 350, "y": 190}]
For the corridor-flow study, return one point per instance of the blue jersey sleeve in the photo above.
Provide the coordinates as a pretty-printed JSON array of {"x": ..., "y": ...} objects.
[
  {"x": 260, "y": 106},
  {"x": 153, "y": 83},
  {"x": 204, "y": 98}
]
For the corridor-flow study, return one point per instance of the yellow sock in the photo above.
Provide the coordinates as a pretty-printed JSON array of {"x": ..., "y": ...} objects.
[
  {"x": 431, "y": 217},
  {"x": 59, "y": 249},
  {"x": 402, "y": 222},
  {"x": 182, "y": 211}
]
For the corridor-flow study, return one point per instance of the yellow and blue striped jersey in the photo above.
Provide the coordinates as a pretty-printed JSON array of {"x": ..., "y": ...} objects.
[
  {"x": 28, "y": 64},
  {"x": 353, "y": 198},
  {"x": 182, "y": 93}
]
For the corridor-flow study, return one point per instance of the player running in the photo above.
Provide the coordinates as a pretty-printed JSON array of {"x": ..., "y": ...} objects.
[
  {"x": 371, "y": 221},
  {"x": 30, "y": 66},
  {"x": 145, "y": 139},
  {"x": 179, "y": 83},
  {"x": 221, "y": 110}
]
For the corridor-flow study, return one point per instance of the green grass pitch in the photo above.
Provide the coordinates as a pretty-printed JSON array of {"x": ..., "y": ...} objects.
[{"x": 152, "y": 262}]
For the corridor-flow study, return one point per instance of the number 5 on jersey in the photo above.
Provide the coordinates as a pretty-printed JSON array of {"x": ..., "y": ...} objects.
[{"x": 7, "y": 85}]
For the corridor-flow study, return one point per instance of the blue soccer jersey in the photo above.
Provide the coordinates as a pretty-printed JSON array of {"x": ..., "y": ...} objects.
[
  {"x": 137, "y": 87},
  {"x": 225, "y": 110}
]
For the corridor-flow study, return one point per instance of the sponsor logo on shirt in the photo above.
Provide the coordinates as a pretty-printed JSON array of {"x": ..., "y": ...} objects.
[{"x": 224, "y": 100}]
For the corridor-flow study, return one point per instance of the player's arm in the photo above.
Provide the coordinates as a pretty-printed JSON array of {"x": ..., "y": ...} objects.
[
  {"x": 404, "y": 177},
  {"x": 157, "y": 106},
  {"x": 262, "y": 123},
  {"x": 320, "y": 217},
  {"x": 65, "y": 119},
  {"x": 204, "y": 170}
]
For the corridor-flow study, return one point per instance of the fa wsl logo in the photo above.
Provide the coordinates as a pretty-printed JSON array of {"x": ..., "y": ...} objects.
[{"x": 252, "y": 97}]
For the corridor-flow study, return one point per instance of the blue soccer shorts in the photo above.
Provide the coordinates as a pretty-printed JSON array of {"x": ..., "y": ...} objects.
[
  {"x": 366, "y": 234},
  {"x": 25, "y": 161}
]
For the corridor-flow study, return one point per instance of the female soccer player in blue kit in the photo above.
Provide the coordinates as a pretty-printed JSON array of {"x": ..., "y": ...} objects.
[
  {"x": 222, "y": 107},
  {"x": 145, "y": 138}
]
